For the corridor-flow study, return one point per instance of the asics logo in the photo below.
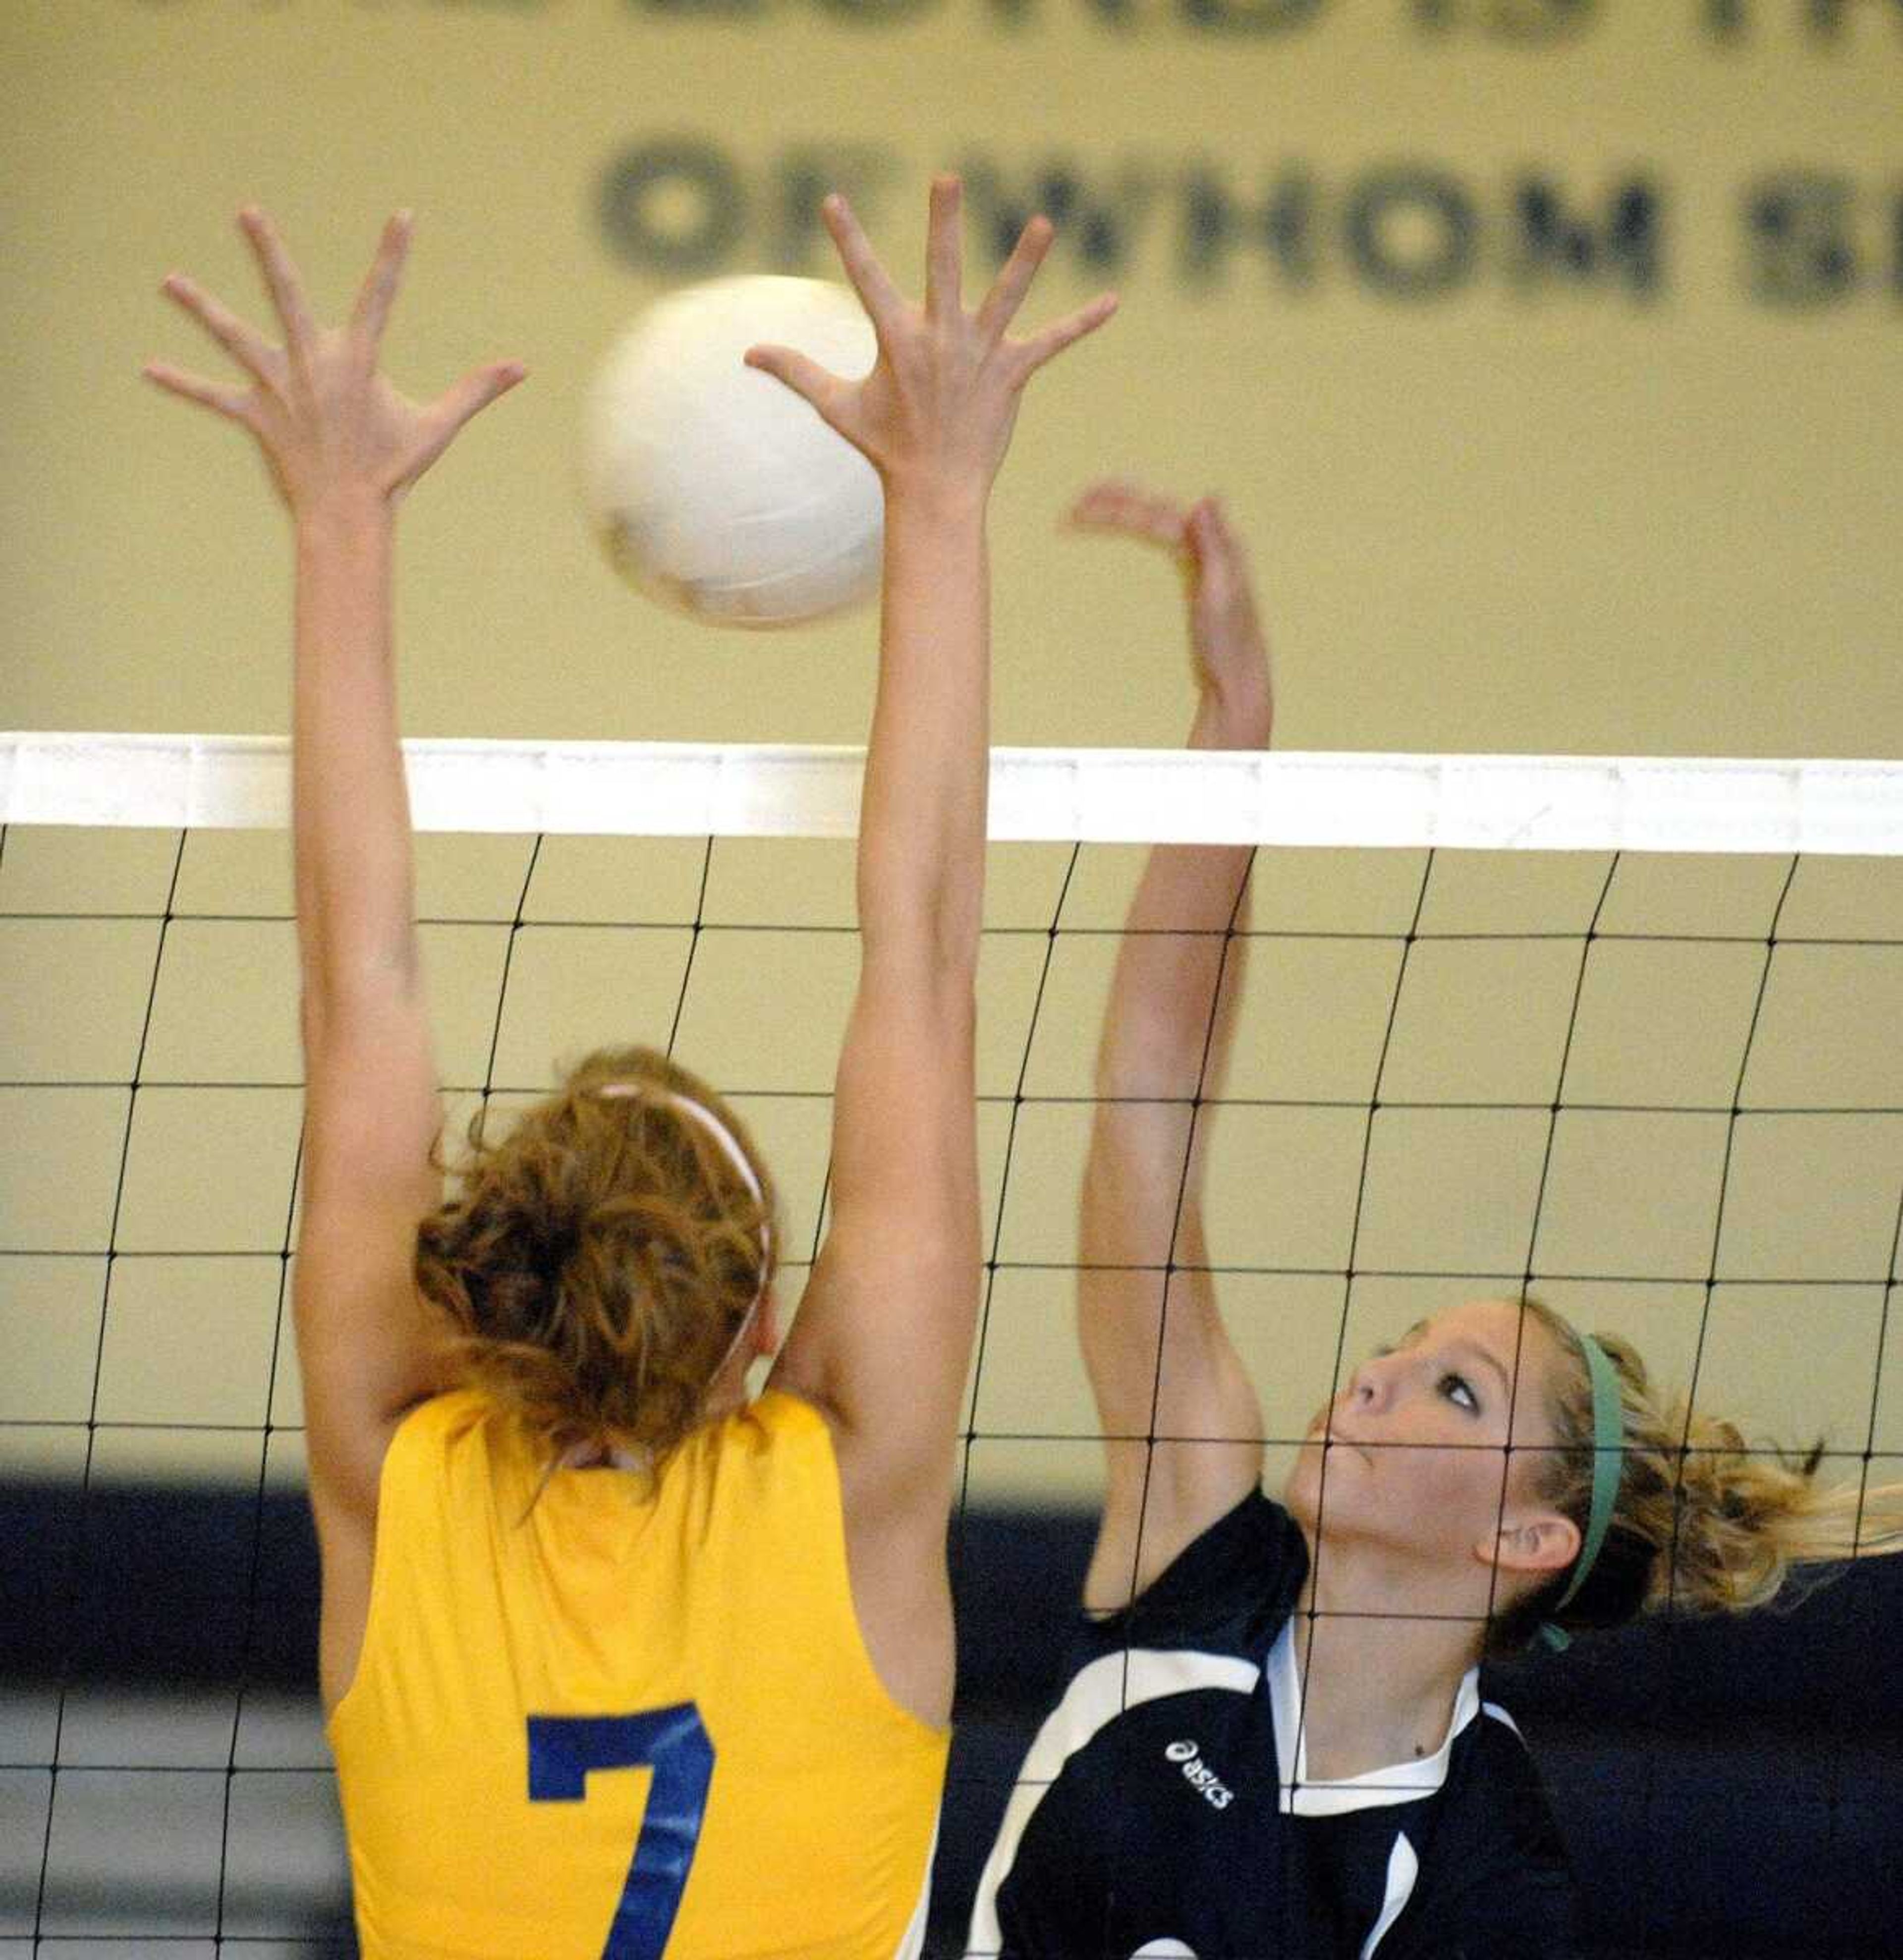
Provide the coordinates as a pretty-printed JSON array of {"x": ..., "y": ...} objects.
[{"x": 1198, "y": 1775}]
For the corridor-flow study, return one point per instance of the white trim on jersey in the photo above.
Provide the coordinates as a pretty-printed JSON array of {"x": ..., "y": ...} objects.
[
  {"x": 1303, "y": 1796},
  {"x": 1404, "y": 1867},
  {"x": 1098, "y": 1694},
  {"x": 1500, "y": 1714}
]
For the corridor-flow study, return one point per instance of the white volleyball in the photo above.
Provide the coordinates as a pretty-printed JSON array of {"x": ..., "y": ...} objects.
[{"x": 713, "y": 487}]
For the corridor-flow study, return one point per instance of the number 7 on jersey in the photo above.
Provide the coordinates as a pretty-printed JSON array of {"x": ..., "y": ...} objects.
[{"x": 674, "y": 1743}]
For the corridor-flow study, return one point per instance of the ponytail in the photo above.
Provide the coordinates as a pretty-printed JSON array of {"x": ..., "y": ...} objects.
[
  {"x": 1702, "y": 1522},
  {"x": 597, "y": 1265}
]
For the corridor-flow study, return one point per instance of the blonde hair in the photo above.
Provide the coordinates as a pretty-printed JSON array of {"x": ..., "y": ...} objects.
[
  {"x": 599, "y": 1261},
  {"x": 1702, "y": 1523}
]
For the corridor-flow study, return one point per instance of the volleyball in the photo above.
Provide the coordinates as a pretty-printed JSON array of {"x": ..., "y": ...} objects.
[{"x": 713, "y": 488}]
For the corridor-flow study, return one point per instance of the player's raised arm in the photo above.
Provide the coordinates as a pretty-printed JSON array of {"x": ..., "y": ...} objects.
[
  {"x": 883, "y": 1340},
  {"x": 342, "y": 447},
  {"x": 1161, "y": 1364}
]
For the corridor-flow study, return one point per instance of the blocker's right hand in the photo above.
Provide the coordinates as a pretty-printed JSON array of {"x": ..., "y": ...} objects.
[
  {"x": 1227, "y": 646},
  {"x": 329, "y": 424},
  {"x": 937, "y": 408}
]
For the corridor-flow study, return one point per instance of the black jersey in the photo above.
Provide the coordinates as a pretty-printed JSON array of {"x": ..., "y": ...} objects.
[{"x": 1164, "y": 1808}]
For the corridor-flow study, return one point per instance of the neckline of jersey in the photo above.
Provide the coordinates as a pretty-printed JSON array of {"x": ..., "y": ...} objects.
[{"x": 1301, "y": 1796}]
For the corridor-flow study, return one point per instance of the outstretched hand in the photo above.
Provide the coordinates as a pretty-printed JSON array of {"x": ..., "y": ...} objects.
[
  {"x": 937, "y": 408},
  {"x": 1227, "y": 642},
  {"x": 328, "y": 422}
]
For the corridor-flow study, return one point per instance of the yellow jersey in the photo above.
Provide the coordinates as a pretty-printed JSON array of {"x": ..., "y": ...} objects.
[{"x": 612, "y": 1717}]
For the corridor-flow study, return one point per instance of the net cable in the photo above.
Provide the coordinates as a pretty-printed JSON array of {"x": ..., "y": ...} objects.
[{"x": 1804, "y": 815}]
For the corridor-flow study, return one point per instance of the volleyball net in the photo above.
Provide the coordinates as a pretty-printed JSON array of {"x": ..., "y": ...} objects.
[{"x": 1620, "y": 1031}]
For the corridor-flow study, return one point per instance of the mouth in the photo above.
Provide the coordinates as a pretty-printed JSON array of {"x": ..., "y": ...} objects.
[{"x": 1333, "y": 1439}]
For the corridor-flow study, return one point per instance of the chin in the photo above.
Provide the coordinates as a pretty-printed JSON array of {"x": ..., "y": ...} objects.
[{"x": 1337, "y": 1490}]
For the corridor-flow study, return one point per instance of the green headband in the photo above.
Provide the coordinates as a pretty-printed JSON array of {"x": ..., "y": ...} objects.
[{"x": 1608, "y": 1465}]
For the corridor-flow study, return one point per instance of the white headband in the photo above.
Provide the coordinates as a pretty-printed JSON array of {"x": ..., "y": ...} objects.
[
  {"x": 708, "y": 1121},
  {"x": 730, "y": 1148}
]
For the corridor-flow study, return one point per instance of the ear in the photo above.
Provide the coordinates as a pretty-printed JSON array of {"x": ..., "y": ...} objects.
[
  {"x": 1536, "y": 1542},
  {"x": 766, "y": 1328}
]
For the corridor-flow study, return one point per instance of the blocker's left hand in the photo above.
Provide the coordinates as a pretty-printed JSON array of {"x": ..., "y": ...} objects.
[
  {"x": 328, "y": 422},
  {"x": 937, "y": 408}
]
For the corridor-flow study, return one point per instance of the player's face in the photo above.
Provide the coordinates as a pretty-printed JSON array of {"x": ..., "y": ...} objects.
[{"x": 1412, "y": 1455}]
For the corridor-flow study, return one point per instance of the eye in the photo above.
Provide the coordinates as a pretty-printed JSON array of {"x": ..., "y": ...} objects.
[{"x": 1459, "y": 1391}]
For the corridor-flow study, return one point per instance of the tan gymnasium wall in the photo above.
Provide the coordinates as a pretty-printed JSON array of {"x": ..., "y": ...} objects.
[
  {"x": 1547, "y": 353},
  {"x": 1652, "y": 506}
]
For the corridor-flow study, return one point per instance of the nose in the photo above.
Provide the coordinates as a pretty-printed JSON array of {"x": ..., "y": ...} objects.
[{"x": 1369, "y": 1387}]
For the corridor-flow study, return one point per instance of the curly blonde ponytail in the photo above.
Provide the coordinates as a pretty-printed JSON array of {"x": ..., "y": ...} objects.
[
  {"x": 1702, "y": 1522},
  {"x": 598, "y": 1262}
]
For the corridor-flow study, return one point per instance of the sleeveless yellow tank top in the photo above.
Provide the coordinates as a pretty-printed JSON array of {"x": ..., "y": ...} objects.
[{"x": 630, "y": 1717}]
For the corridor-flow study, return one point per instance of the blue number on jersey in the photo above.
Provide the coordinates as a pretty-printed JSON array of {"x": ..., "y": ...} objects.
[{"x": 564, "y": 1749}]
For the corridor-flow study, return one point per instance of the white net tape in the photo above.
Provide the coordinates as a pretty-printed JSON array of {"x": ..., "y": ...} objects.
[{"x": 1538, "y": 802}]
